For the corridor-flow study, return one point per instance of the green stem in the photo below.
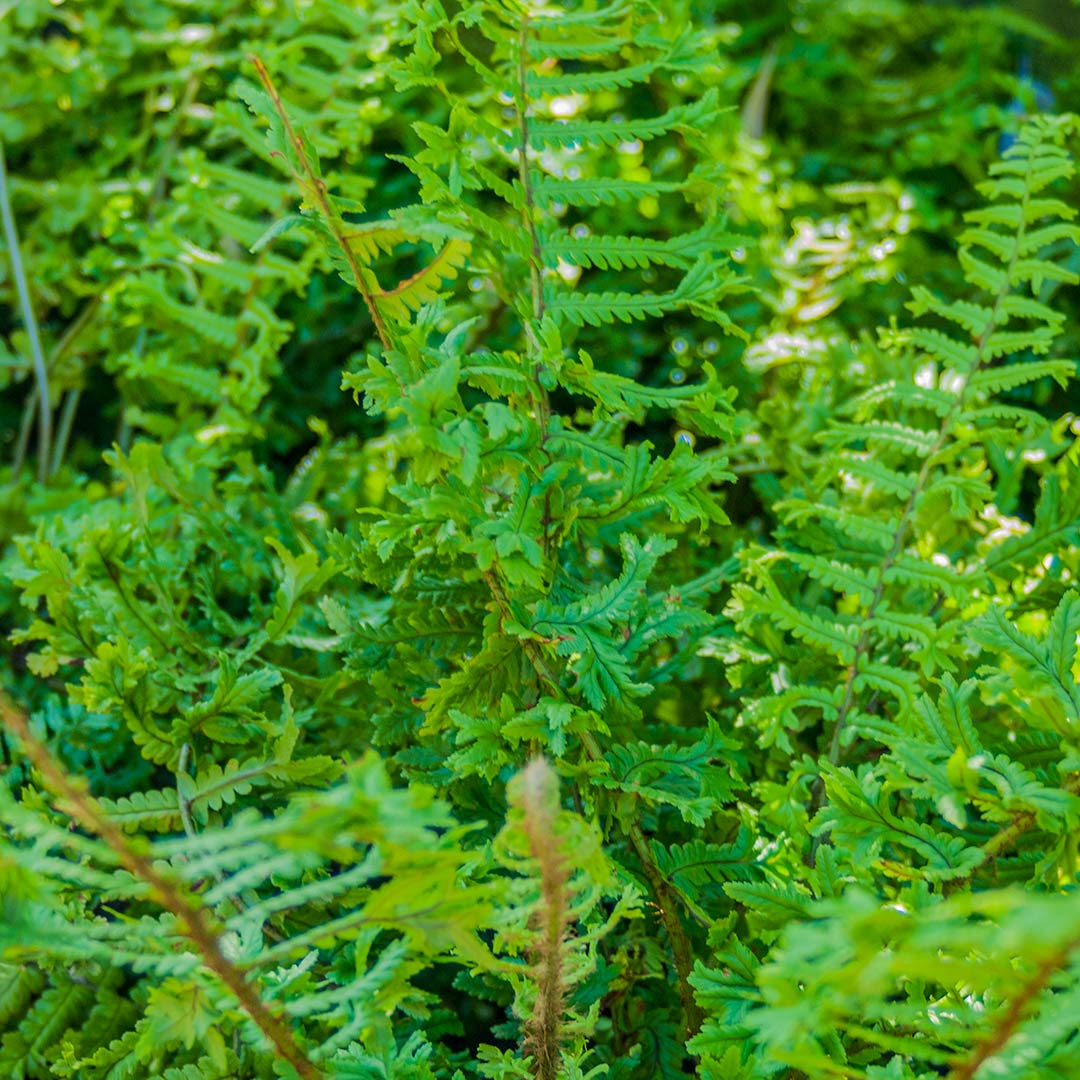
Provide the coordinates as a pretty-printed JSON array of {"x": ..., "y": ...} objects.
[
  {"x": 63, "y": 429},
  {"x": 23, "y": 440},
  {"x": 536, "y": 259},
  {"x": 18, "y": 272}
]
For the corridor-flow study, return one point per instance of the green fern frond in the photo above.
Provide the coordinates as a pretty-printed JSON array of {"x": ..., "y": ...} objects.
[
  {"x": 564, "y": 133},
  {"x": 916, "y": 449},
  {"x": 701, "y": 287},
  {"x": 694, "y": 864},
  {"x": 692, "y": 778},
  {"x": 599, "y": 191}
]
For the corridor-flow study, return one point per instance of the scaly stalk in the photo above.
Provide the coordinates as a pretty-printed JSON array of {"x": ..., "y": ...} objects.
[
  {"x": 317, "y": 188},
  {"x": 195, "y": 922},
  {"x": 544, "y": 1027},
  {"x": 666, "y": 898}
]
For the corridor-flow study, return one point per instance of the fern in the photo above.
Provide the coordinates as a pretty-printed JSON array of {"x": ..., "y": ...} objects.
[
  {"x": 926, "y": 955},
  {"x": 245, "y": 856},
  {"x": 565, "y": 889},
  {"x": 898, "y": 481},
  {"x": 963, "y": 796},
  {"x": 504, "y": 483}
]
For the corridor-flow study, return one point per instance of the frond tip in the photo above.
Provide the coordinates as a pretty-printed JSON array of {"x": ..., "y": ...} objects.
[{"x": 538, "y": 797}]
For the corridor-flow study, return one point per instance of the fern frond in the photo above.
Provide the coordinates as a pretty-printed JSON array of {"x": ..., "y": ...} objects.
[
  {"x": 564, "y": 133},
  {"x": 855, "y": 525},
  {"x": 591, "y": 82},
  {"x": 997, "y": 380},
  {"x": 858, "y": 814},
  {"x": 700, "y": 287},
  {"x": 1057, "y": 522},
  {"x": 916, "y": 442},
  {"x": 628, "y": 252},
  {"x": 877, "y": 475},
  {"x": 269, "y": 875},
  {"x": 694, "y": 864},
  {"x": 942, "y": 419},
  {"x": 689, "y": 778},
  {"x": 813, "y": 629},
  {"x": 595, "y": 191},
  {"x": 354, "y": 247},
  {"x": 850, "y": 580}
]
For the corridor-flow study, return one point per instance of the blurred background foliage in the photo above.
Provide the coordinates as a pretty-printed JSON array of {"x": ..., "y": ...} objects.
[{"x": 853, "y": 133}]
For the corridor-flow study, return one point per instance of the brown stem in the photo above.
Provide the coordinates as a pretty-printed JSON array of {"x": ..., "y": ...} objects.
[
  {"x": 666, "y": 899},
  {"x": 544, "y": 1026},
  {"x": 1005, "y": 840},
  {"x": 317, "y": 186},
  {"x": 1013, "y": 1016},
  {"x": 667, "y": 907},
  {"x": 196, "y": 923}
]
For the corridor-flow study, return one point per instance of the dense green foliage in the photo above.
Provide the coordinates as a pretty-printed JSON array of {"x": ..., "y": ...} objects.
[{"x": 539, "y": 541}]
